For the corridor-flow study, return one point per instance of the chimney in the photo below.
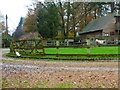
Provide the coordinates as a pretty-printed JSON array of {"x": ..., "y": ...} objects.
[{"x": 117, "y": 24}]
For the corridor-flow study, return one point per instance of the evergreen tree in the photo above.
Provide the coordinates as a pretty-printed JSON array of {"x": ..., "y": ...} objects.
[
  {"x": 47, "y": 20},
  {"x": 19, "y": 31}
]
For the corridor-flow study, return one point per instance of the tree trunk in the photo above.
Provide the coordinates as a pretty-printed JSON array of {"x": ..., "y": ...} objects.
[
  {"x": 62, "y": 18},
  {"x": 68, "y": 19},
  {"x": 112, "y": 7}
]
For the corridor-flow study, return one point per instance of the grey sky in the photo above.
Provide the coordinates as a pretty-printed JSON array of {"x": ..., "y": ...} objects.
[{"x": 14, "y": 9}]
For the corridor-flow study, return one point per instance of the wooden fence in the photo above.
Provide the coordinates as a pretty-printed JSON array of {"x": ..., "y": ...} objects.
[
  {"x": 27, "y": 46},
  {"x": 37, "y": 47}
]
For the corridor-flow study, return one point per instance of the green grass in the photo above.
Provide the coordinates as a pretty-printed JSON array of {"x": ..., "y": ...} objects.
[
  {"x": 23, "y": 83},
  {"x": 12, "y": 61},
  {"x": 93, "y": 50},
  {"x": 66, "y": 84},
  {"x": 62, "y": 57},
  {"x": 54, "y": 56}
]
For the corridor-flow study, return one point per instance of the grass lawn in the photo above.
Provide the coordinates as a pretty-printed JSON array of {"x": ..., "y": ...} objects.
[{"x": 93, "y": 50}]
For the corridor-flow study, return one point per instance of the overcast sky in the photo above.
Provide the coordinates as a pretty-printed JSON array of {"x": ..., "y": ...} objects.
[{"x": 14, "y": 9}]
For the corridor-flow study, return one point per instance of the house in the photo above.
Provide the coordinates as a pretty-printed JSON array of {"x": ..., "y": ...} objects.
[
  {"x": 104, "y": 26},
  {"x": 5, "y": 37}
]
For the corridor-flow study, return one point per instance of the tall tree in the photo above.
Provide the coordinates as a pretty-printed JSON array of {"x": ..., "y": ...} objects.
[
  {"x": 19, "y": 30},
  {"x": 68, "y": 11},
  {"x": 30, "y": 24},
  {"x": 47, "y": 20},
  {"x": 61, "y": 9},
  {"x": 2, "y": 23},
  {"x": 69, "y": 16}
]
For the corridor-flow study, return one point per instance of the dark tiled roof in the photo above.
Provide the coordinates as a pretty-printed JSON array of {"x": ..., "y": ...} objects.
[{"x": 97, "y": 24}]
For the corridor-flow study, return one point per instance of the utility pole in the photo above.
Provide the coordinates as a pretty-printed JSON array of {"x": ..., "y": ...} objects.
[
  {"x": 6, "y": 32},
  {"x": 6, "y": 25}
]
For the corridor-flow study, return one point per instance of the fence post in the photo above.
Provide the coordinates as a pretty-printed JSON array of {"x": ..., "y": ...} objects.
[
  {"x": 43, "y": 46},
  {"x": 88, "y": 50},
  {"x": 57, "y": 44},
  {"x": 34, "y": 50},
  {"x": 11, "y": 46},
  {"x": 88, "y": 45}
]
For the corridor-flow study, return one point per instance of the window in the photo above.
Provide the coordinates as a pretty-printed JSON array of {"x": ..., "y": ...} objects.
[
  {"x": 99, "y": 34},
  {"x": 106, "y": 34},
  {"x": 112, "y": 33}
]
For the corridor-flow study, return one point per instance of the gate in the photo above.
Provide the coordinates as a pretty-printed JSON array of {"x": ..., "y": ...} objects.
[{"x": 27, "y": 47}]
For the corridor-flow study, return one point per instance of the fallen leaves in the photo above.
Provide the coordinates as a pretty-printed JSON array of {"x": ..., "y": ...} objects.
[{"x": 52, "y": 77}]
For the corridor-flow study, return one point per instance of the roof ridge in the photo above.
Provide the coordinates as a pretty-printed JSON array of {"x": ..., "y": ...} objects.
[{"x": 98, "y": 23}]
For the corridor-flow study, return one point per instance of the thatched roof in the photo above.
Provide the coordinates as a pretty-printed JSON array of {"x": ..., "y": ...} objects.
[
  {"x": 30, "y": 36},
  {"x": 98, "y": 24}
]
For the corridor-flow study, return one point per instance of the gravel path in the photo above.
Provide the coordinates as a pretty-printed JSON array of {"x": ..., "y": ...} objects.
[
  {"x": 4, "y": 49},
  {"x": 12, "y": 66}
]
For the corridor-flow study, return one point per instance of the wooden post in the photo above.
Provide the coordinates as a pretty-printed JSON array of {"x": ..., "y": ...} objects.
[
  {"x": 88, "y": 41},
  {"x": 57, "y": 50},
  {"x": 88, "y": 50},
  {"x": 11, "y": 46},
  {"x": 57, "y": 44},
  {"x": 43, "y": 46},
  {"x": 34, "y": 50},
  {"x": 67, "y": 43},
  {"x": 88, "y": 44}
]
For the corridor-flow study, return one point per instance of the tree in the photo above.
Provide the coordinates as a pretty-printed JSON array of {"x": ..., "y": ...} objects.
[
  {"x": 61, "y": 11},
  {"x": 19, "y": 31},
  {"x": 2, "y": 26},
  {"x": 68, "y": 12},
  {"x": 69, "y": 16},
  {"x": 2, "y": 23},
  {"x": 47, "y": 20},
  {"x": 30, "y": 24}
]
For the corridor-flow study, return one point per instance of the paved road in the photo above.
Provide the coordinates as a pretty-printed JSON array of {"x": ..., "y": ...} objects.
[{"x": 4, "y": 49}]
